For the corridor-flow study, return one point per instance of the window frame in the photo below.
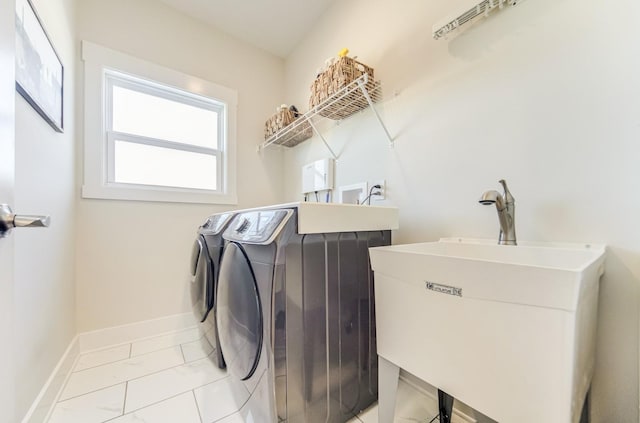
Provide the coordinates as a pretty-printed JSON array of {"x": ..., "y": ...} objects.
[{"x": 105, "y": 68}]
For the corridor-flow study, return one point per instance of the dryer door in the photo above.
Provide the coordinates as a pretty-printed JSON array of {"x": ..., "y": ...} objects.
[
  {"x": 239, "y": 312},
  {"x": 201, "y": 274}
]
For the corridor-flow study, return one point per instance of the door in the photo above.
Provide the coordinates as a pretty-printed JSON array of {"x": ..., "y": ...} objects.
[
  {"x": 202, "y": 273},
  {"x": 7, "y": 163},
  {"x": 239, "y": 313}
]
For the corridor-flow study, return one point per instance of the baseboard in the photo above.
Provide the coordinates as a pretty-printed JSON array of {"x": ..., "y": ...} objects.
[
  {"x": 102, "y": 338},
  {"x": 41, "y": 407},
  {"x": 415, "y": 383},
  {"x": 94, "y": 340}
]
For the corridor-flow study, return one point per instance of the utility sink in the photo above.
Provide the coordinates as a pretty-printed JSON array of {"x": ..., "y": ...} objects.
[{"x": 508, "y": 330}]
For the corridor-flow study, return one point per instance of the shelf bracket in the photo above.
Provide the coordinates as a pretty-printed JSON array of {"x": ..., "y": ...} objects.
[
  {"x": 326, "y": 144},
  {"x": 361, "y": 84}
]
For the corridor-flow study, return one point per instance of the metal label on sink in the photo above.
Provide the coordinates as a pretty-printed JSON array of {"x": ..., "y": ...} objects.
[{"x": 443, "y": 289}]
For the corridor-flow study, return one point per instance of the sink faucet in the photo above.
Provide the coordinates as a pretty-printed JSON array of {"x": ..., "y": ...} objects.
[{"x": 506, "y": 206}]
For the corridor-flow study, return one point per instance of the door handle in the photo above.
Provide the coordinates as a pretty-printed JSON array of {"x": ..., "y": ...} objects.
[{"x": 9, "y": 220}]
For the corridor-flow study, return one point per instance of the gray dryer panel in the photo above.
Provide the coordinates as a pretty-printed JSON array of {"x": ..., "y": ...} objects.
[
  {"x": 205, "y": 260},
  {"x": 325, "y": 343},
  {"x": 206, "y": 255},
  {"x": 316, "y": 297}
]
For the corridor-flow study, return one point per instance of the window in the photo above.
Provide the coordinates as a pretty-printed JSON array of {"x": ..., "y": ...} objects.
[
  {"x": 160, "y": 136},
  {"x": 153, "y": 134}
]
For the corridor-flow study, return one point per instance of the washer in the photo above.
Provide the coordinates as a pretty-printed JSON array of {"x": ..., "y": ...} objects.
[
  {"x": 296, "y": 318},
  {"x": 205, "y": 266}
]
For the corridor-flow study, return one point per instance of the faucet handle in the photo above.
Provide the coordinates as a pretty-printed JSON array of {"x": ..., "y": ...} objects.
[{"x": 508, "y": 198}]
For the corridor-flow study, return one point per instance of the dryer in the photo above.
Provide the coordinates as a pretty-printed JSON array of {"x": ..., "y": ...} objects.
[
  {"x": 205, "y": 265},
  {"x": 296, "y": 314}
]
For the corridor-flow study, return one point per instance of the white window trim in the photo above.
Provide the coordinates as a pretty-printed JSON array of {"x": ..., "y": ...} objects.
[{"x": 97, "y": 59}]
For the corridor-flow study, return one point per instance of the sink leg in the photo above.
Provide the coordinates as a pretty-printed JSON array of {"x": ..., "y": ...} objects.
[
  {"x": 387, "y": 389},
  {"x": 445, "y": 405}
]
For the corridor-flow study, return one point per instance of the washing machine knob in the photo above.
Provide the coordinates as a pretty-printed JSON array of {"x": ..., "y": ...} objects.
[{"x": 243, "y": 226}]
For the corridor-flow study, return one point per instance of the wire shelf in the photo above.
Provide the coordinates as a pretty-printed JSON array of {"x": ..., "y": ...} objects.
[
  {"x": 291, "y": 135},
  {"x": 352, "y": 98},
  {"x": 483, "y": 8}
]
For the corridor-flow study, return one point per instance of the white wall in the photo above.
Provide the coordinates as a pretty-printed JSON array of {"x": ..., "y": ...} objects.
[
  {"x": 44, "y": 292},
  {"x": 545, "y": 94},
  {"x": 133, "y": 257}
]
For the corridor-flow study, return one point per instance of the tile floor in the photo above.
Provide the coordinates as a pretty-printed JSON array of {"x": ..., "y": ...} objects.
[{"x": 164, "y": 379}]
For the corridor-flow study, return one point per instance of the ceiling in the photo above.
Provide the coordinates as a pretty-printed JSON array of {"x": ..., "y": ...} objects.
[{"x": 273, "y": 25}]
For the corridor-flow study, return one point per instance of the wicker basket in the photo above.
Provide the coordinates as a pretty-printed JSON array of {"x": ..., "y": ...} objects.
[
  {"x": 337, "y": 76},
  {"x": 293, "y": 136}
]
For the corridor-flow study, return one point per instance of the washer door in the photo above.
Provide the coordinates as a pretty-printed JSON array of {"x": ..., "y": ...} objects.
[
  {"x": 201, "y": 277},
  {"x": 239, "y": 312}
]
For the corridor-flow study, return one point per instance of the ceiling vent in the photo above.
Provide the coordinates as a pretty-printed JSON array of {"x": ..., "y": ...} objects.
[{"x": 469, "y": 12}]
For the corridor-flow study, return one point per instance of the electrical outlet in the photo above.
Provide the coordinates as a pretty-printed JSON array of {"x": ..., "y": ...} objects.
[
  {"x": 352, "y": 194},
  {"x": 378, "y": 194}
]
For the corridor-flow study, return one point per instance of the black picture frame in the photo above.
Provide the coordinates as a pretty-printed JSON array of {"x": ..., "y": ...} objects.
[{"x": 39, "y": 70}]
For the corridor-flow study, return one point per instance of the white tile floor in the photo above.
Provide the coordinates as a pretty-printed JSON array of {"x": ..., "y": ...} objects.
[{"x": 164, "y": 379}]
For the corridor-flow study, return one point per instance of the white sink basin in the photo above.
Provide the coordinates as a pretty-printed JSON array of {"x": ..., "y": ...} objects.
[{"x": 509, "y": 330}]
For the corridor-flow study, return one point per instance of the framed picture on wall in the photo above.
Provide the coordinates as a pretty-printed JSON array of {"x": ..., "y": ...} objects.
[{"x": 39, "y": 71}]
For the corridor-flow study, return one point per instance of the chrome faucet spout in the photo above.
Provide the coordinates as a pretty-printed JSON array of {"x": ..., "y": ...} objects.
[
  {"x": 492, "y": 197},
  {"x": 506, "y": 207}
]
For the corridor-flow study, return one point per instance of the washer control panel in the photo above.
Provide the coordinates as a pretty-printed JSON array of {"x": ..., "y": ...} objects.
[
  {"x": 217, "y": 223},
  {"x": 257, "y": 227}
]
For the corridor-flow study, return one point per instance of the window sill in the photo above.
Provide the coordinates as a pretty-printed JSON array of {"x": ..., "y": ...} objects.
[{"x": 165, "y": 195}]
